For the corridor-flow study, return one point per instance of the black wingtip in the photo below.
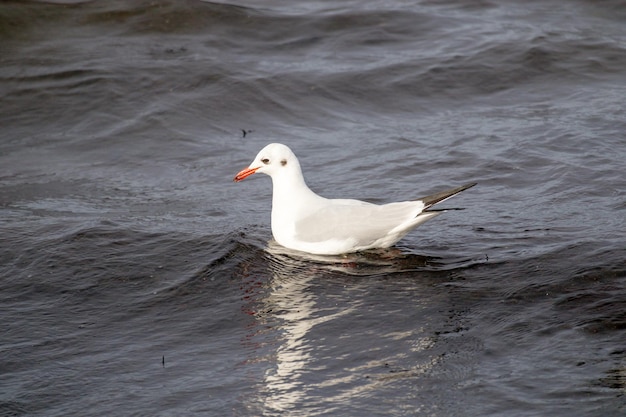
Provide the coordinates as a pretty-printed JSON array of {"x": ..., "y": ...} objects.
[{"x": 433, "y": 199}]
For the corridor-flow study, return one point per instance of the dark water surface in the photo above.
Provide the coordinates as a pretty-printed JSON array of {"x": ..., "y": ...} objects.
[{"x": 137, "y": 279}]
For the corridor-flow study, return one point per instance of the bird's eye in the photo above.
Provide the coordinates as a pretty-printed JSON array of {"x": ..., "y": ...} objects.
[
  {"x": 265, "y": 161},
  {"x": 283, "y": 162}
]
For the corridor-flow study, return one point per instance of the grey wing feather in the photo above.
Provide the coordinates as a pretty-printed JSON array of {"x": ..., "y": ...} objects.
[
  {"x": 362, "y": 221},
  {"x": 351, "y": 219}
]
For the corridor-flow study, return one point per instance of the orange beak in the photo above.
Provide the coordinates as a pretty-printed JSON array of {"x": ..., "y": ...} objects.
[{"x": 245, "y": 173}]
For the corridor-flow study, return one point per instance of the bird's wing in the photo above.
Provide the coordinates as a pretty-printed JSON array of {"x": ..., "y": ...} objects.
[
  {"x": 356, "y": 220},
  {"x": 364, "y": 223}
]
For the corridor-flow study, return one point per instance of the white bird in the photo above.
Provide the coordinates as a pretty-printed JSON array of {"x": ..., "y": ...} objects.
[{"x": 305, "y": 221}]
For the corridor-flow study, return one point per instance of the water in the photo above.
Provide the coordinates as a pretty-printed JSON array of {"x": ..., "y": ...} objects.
[{"x": 137, "y": 279}]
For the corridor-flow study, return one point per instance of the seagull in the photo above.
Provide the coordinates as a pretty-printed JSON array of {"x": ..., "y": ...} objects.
[{"x": 307, "y": 222}]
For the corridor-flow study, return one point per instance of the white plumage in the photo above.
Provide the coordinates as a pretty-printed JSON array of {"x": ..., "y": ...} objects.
[{"x": 305, "y": 221}]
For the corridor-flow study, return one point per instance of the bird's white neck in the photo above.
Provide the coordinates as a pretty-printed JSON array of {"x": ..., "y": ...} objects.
[
  {"x": 290, "y": 187},
  {"x": 291, "y": 200}
]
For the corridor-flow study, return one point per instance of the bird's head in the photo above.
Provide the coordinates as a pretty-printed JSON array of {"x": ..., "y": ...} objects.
[{"x": 275, "y": 159}]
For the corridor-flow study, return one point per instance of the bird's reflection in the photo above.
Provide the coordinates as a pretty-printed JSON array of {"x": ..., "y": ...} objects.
[{"x": 289, "y": 299}]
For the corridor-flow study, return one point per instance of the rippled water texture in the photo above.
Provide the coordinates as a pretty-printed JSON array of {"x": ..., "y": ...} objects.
[{"x": 137, "y": 279}]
